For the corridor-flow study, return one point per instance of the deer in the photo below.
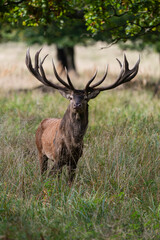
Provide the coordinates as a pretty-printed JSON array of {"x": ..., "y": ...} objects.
[{"x": 61, "y": 140}]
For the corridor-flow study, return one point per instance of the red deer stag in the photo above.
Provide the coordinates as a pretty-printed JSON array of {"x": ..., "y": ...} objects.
[{"x": 61, "y": 140}]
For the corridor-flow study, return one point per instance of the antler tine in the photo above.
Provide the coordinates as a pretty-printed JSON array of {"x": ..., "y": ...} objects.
[
  {"x": 119, "y": 62},
  {"x": 69, "y": 80},
  {"x": 58, "y": 77},
  {"x": 90, "y": 81},
  {"x": 134, "y": 70},
  {"x": 102, "y": 80},
  {"x": 37, "y": 59},
  {"x": 125, "y": 74},
  {"x": 30, "y": 66},
  {"x": 126, "y": 64},
  {"x": 35, "y": 71},
  {"x": 44, "y": 58},
  {"x": 45, "y": 81},
  {"x": 28, "y": 59}
]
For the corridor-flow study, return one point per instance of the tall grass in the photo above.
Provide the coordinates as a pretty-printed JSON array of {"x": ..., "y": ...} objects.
[{"x": 116, "y": 192}]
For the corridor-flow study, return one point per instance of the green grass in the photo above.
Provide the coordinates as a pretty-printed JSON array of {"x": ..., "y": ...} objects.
[{"x": 116, "y": 193}]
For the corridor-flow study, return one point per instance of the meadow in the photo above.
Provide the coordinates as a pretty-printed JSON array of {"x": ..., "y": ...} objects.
[{"x": 116, "y": 192}]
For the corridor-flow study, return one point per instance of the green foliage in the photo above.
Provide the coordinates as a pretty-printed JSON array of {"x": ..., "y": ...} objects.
[
  {"x": 67, "y": 23},
  {"x": 123, "y": 20},
  {"x": 116, "y": 191},
  {"x": 146, "y": 41},
  {"x": 68, "y": 36}
]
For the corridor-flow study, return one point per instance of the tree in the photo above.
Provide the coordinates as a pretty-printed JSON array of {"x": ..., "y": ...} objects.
[
  {"x": 150, "y": 40},
  {"x": 65, "y": 39},
  {"x": 124, "y": 19},
  {"x": 110, "y": 20}
]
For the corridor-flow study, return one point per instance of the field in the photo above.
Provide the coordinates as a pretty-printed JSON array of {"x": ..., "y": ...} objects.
[{"x": 116, "y": 192}]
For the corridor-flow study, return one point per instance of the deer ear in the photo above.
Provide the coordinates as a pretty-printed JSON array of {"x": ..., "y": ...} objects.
[
  {"x": 93, "y": 94},
  {"x": 65, "y": 93}
]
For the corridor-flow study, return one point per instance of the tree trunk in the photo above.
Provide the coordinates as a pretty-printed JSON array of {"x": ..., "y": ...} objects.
[{"x": 66, "y": 58}]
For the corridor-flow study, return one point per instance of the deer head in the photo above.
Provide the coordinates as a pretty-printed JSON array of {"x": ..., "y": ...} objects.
[{"x": 79, "y": 98}]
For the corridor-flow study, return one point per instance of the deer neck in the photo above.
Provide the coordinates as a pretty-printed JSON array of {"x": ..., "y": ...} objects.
[{"x": 74, "y": 124}]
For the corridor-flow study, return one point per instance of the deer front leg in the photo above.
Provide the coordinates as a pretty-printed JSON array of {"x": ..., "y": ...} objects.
[
  {"x": 43, "y": 160},
  {"x": 71, "y": 172},
  {"x": 56, "y": 169}
]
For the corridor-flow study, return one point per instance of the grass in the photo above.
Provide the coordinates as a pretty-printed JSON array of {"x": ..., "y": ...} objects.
[{"x": 116, "y": 193}]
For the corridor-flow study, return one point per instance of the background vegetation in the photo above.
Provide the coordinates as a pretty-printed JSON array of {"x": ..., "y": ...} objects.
[{"x": 68, "y": 23}]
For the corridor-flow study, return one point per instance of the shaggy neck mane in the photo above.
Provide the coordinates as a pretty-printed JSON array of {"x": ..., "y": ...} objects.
[{"x": 74, "y": 124}]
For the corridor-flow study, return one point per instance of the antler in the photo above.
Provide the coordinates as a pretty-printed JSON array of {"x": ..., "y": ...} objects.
[
  {"x": 125, "y": 75},
  {"x": 39, "y": 73}
]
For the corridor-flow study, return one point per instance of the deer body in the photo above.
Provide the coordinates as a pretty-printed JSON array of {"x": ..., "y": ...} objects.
[{"x": 61, "y": 140}]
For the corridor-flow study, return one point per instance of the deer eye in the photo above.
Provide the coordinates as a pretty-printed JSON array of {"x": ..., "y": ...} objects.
[{"x": 70, "y": 97}]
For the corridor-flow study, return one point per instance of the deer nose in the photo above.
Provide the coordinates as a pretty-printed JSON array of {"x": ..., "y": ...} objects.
[{"x": 77, "y": 105}]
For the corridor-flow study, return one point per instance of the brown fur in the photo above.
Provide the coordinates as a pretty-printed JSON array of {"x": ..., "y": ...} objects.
[{"x": 61, "y": 140}]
